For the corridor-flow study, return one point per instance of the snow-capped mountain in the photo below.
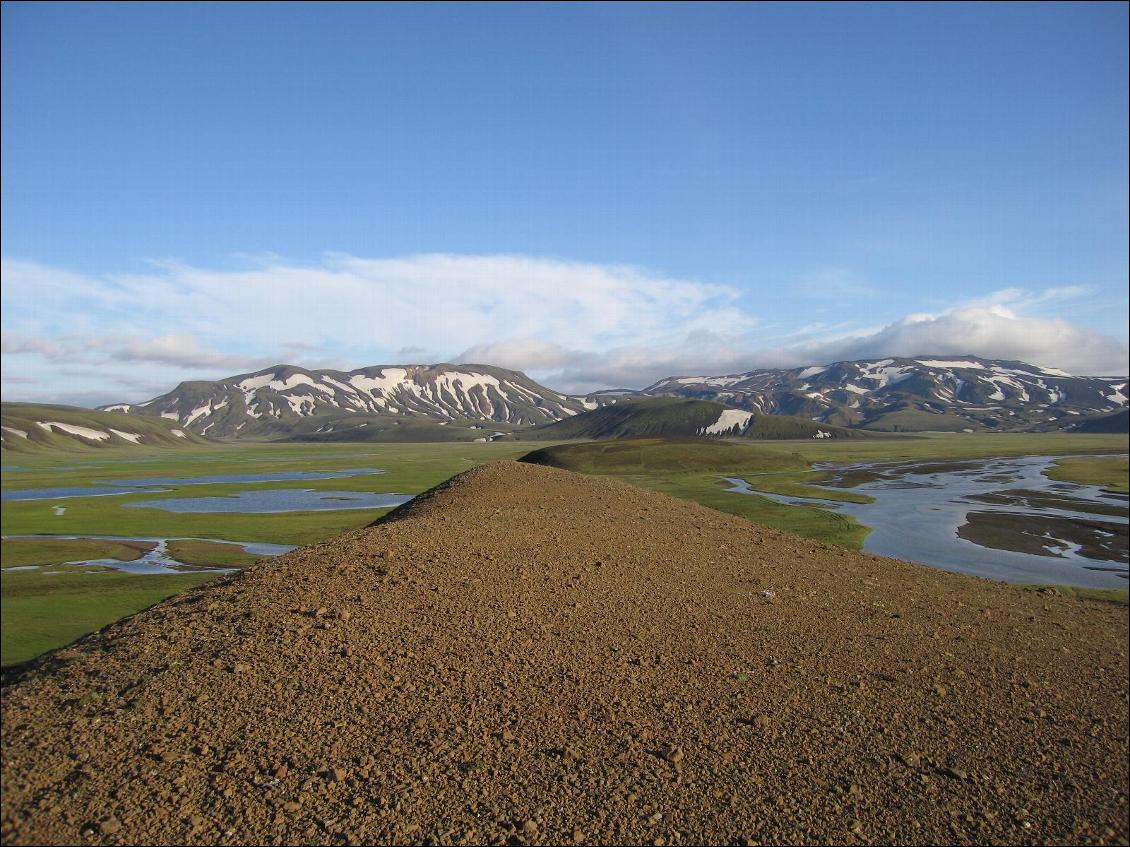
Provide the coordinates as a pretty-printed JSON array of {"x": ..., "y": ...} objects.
[
  {"x": 480, "y": 402},
  {"x": 312, "y": 403},
  {"x": 938, "y": 393}
]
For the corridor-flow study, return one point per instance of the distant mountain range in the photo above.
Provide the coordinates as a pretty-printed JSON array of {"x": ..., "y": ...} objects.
[
  {"x": 481, "y": 402},
  {"x": 925, "y": 393}
]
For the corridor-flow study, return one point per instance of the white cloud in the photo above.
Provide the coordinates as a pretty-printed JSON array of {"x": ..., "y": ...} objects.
[
  {"x": 1023, "y": 300},
  {"x": 433, "y": 301},
  {"x": 184, "y": 351},
  {"x": 626, "y": 366},
  {"x": 522, "y": 354},
  {"x": 365, "y": 311},
  {"x": 987, "y": 331},
  {"x": 992, "y": 331},
  {"x": 16, "y": 343},
  {"x": 576, "y": 326}
]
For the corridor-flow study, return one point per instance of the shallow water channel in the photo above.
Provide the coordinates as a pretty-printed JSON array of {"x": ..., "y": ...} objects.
[
  {"x": 996, "y": 518},
  {"x": 277, "y": 500},
  {"x": 155, "y": 561}
]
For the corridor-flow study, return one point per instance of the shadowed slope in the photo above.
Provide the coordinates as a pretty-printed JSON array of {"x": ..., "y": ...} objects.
[
  {"x": 1114, "y": 422},
  {"x": 666, "y": 454},
  {"x": 528, "y": 654},
  {"x": 673, "y": 417}
]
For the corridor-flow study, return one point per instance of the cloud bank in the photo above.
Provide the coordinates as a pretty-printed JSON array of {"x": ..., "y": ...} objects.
[{"x": 576, "y": 326}]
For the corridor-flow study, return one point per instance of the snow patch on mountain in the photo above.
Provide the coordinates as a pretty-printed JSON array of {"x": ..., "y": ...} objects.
[
  {"x": 951, "y": 363},
  {"x": 728, "y": 421},
  {"x": 132, "y": 437},
  {"x": 74, "y": 429},
  {"x": 389, "y": 379},
  {"x": 883, "y": 373}
]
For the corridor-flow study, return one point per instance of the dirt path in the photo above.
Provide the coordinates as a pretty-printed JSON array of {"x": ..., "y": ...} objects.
[{"x": 528, "y": 655}]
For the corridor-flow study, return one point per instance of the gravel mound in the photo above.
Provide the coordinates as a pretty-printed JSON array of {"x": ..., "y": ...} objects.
[{"x": 525, "y": 655}]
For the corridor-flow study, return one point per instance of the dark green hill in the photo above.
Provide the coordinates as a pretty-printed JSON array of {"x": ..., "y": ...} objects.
[
  {"x": 673, "y": 417},
  {"x": 1114, "y": 422},
  {"x": 782, "y": 427},
  {"x": 660, "y": 454},
  {"x": 635, "y": 418}
]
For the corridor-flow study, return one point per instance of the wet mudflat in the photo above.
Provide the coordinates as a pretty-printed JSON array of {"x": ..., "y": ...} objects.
[{"x": 1048, "y": 536}]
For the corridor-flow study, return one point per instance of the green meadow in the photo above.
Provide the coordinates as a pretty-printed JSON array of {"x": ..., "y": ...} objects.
[
  {"x": 1110, "y": 472},
  {"x": 49, "y": 607}
]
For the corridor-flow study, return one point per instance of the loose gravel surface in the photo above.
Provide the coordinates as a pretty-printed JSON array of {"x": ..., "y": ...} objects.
[{"x": 526, "y": 655}]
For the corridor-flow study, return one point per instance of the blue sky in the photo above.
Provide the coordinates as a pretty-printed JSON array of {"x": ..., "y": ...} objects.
[{"x": 599, "y": 194}]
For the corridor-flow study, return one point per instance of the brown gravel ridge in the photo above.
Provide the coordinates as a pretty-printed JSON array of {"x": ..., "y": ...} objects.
[{"x": 526, "y": 655}]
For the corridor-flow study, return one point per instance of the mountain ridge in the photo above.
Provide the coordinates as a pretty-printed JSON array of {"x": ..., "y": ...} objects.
[
  {"x": 467, "y": 401},
  {"x": 678, "y": 417},
  {"x": 287, "y": 400},
  {"x": 913, "y": 393}
]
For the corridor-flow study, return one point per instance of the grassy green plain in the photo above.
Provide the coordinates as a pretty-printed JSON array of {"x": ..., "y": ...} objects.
[
  {"x": 210, "y": 554},
  {"x": 19, "y": 552},
  {"x": 1110, "y": 472},
  {"x": 44, "y": 610}
]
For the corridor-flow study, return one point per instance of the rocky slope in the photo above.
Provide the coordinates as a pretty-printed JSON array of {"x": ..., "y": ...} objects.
[
  {"x": 530, "y": 656},
  {"x": 29, "y": 427},
  {"x": 966, "y": 393},
  {"x": 324, "y": 404}
]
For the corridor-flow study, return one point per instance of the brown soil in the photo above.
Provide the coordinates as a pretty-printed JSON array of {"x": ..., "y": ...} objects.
[{"x": 528, "y": 655}]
